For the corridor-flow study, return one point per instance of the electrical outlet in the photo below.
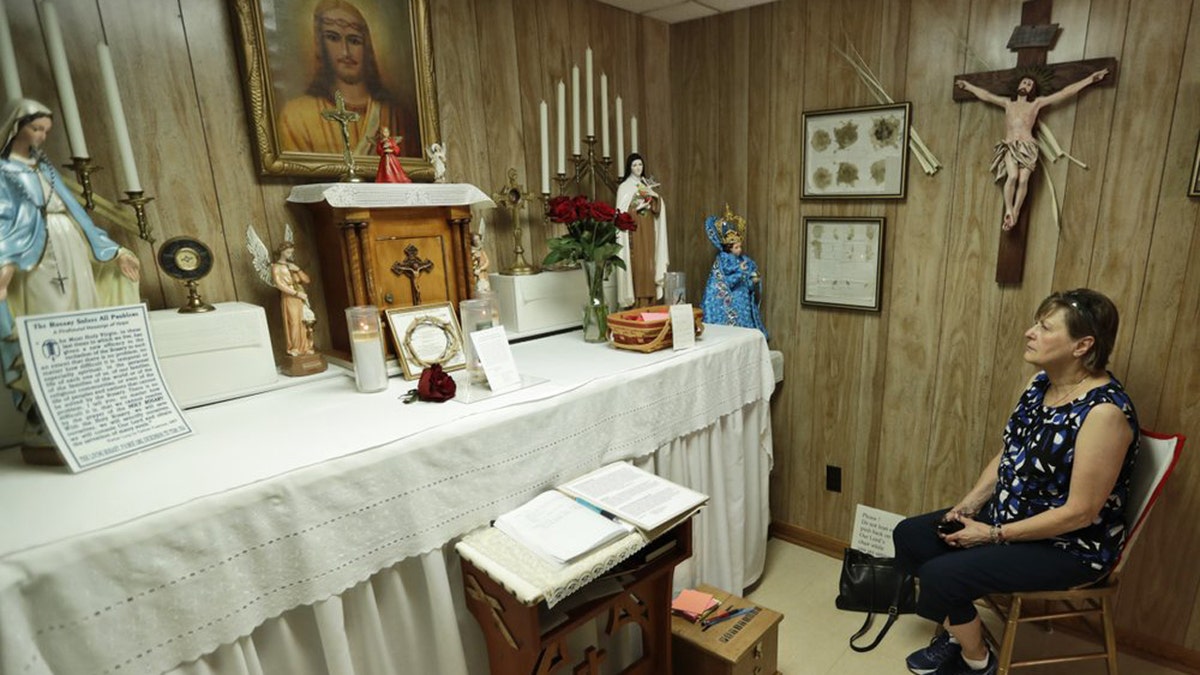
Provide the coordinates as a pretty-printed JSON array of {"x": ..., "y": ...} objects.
[{"x": 833, "y": 478}]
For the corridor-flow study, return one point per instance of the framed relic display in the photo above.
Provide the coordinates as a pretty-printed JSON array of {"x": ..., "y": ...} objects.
[
  {"x": 856, "y": 153},
  {"x": 1194, "y": 186},
  {"x": 843, "y": 262},
  {"x": 424, "y": 335},
  {"x": 297, "y": 53}
]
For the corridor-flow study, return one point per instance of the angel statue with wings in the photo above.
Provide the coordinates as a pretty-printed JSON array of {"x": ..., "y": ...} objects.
[{"x": 285, "y": 275}]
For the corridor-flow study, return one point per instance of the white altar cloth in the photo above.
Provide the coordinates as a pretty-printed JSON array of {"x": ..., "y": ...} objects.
[
  {"x": 303, "y": 498},
  {"x": 367, "y": 195}
]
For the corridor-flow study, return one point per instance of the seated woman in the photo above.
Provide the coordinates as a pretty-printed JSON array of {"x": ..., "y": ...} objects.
[{"x": 1048, "y": 511}]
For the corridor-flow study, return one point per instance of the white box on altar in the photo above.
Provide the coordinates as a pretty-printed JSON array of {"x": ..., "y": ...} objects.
[
  {"x": 213, "y": 356},
  {"x": 533, "y": 304}
]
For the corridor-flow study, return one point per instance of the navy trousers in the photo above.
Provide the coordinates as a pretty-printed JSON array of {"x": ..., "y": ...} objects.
[{"x": 951, "y": 579}]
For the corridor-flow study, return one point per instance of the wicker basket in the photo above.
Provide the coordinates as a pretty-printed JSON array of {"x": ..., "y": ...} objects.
[{"x": 627, "y": 331}]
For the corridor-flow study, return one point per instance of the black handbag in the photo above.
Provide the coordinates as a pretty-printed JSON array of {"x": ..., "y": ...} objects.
[{"x": 874, "y": 585}]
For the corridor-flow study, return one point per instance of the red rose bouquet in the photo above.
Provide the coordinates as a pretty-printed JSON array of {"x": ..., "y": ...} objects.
[
  {"x": 591, "y": 239},
  {"x": 591, "y": 232}
]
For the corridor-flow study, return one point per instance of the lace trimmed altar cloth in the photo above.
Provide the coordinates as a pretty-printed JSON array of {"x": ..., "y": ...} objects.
[{"x": 285, "y": 500}]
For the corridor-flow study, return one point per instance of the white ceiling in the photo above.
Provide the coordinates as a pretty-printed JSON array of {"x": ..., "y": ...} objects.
[{"x": 675, "y": 11}]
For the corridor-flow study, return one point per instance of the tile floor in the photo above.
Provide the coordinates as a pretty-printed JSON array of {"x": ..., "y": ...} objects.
[{"x": 802, "y": 584}]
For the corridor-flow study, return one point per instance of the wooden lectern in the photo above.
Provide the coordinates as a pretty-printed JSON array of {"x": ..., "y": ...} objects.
[
  {"x": 390, "y": 245},
  {"x": 506, "y": 605}
]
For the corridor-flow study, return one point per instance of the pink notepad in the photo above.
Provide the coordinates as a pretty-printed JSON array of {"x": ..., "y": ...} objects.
[{"x": 691, "y": 603}]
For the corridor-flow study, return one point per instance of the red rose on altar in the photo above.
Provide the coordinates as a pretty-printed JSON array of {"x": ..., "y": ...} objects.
[
  {"x": 562, "y": 210},
  {"x": 626, "y": 222},
  {"x": 436, "y": 385},
  {"x": 602, "y": 211}
]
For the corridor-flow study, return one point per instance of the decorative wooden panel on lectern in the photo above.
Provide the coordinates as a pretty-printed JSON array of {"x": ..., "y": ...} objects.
[{"x": 393, "y": 245}]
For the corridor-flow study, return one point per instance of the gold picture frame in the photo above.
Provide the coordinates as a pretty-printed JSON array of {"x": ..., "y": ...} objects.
[
  {"x": 424, "y": 335},
  {"x": 284, "y": 52}
]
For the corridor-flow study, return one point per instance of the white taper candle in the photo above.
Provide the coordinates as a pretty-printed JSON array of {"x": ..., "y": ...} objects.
[
  {"x": 52, "y": 32},
  {"x": 575, "y": 110},
  {"x": 544, "y": 120},
  {"x": 604, "y": 115},
  {"x": 591, "y": 97},
  {"x": 8, "y": 60},
  {"x": 562, "y": 127},
  {"x": 620, "y": 138},
  {"x": 632, "y": 134},
  {"x": 112, "y": 94}
]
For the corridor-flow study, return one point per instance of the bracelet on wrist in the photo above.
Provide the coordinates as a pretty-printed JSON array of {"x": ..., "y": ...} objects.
[{"x": 997, "y": 534}]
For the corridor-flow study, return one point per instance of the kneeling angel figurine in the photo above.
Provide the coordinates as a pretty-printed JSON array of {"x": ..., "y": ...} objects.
[{"x": 734, "y": 290}]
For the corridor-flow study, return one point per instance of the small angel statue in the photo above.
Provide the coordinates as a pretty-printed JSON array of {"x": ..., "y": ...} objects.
[
  {"x": 285, "y": 275},
  {"x": 437, "y": 157},
  {"x": 479, "y": 261}
]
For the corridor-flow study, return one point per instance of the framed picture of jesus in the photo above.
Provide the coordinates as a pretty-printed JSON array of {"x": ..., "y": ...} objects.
[{"x": 298, "y": 54}]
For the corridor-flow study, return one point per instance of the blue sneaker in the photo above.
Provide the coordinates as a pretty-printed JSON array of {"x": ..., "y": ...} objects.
[
  {"x": 939, "y": 652},
  {"x": 957, "y": 666}
]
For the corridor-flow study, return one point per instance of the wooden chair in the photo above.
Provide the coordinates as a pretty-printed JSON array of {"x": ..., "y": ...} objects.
[{"x": 1156, "y": 459}]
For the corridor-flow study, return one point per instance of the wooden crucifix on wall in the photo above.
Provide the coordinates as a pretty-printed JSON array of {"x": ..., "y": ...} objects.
[{"x": 1023, "y": 92}]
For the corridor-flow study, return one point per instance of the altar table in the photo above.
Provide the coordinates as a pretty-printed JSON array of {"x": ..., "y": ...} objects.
[{"x": 310, "y": 530}]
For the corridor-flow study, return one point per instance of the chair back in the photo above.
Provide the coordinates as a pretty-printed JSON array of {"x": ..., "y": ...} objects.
[{"x": 1157, "y": 456}]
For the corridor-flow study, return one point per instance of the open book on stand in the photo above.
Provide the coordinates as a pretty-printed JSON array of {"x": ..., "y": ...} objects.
[
  {"x": 597, "y": 508},
  {"x": 650, "y": 503}
]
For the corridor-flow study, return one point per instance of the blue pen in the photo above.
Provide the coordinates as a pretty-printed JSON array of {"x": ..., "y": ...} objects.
[
  {"x": 595, "y": 508},
  {"x": 725, "y": 617}
]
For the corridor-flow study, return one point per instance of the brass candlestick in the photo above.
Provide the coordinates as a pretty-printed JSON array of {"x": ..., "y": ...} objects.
[
  {"x": 589, "y": 167},
  {"x": 512, "y": 197},
  {"x": 138, "y": 201},
  {"x": 83, "y": 168}
]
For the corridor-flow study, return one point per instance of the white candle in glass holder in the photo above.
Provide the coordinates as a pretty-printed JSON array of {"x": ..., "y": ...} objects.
[
  {"x": 62, "y": 79},
  {"x": 366, "y": 348}
]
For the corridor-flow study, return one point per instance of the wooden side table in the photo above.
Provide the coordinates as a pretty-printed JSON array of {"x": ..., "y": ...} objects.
[{"x": 516, "y": 645}]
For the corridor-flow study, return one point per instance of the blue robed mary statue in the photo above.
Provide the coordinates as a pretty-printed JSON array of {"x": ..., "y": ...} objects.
[
  {"x": 53, "y": 258},
  {"x": 734, "y": 290}
]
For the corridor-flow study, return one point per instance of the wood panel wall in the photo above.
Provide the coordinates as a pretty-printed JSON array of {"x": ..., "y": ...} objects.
[{"x": 908, "y": 401}]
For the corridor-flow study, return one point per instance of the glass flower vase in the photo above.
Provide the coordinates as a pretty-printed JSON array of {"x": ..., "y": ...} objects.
[{"x": 595, "y": 310}]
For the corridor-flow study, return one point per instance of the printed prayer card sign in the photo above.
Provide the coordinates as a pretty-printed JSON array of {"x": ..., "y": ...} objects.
[
  {"x": 873, "y": 531},
  {"x": 97, "y": 384}
]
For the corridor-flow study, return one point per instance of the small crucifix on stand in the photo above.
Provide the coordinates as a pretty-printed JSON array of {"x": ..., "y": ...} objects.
[
  {"x": 1023, "y": 92},
  {"x": 413, "y": 267},
  {"x": 343, "y": 117}
]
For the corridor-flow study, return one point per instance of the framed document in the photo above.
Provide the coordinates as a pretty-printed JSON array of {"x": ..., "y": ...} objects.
[
  {"x": 843, "y": 262},
  {"x": 856, "y": 153},
  {"x": 425, "y": 335}
]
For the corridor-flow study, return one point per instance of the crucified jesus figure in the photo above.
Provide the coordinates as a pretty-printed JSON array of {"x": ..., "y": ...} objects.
[{"x": 1016, "y": 156}]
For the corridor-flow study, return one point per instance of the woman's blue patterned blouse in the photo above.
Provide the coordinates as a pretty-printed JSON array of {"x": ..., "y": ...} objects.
[{"x": 1035, "y": 469}]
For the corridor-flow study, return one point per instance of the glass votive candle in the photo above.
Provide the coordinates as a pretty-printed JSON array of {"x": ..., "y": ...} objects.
[
  {"x": 366, "y": 348},
  {"x": 476, "y": 314},
  {"x": 675, "y": 288}
]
